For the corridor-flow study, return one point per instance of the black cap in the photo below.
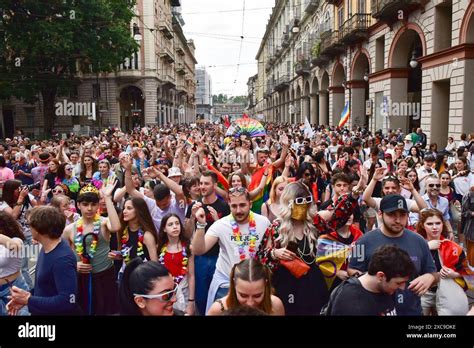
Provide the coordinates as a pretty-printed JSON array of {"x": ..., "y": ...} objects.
[
  {"x": 429, "y": 158},
  {"x": 393, "y": 203}
]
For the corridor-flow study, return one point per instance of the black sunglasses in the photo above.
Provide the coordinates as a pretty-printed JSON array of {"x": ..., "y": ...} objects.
[{"x": 434, "y": 185}]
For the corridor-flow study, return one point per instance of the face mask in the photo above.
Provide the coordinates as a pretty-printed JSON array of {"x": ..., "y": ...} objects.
[{"x": 299, "y": 212}]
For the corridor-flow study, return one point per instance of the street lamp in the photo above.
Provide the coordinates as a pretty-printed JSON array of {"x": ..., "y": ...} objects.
[
  {"x": 366, "y": 77},
  {"x": 413, "y": 61},
  {"x": 136, "y": 33}
]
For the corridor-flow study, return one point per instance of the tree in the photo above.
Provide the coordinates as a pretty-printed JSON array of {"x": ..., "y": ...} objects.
[{"x": 44, "y": 44}]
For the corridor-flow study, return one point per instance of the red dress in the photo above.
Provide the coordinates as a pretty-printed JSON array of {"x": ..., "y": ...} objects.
[{"x": 174, "y": 263}]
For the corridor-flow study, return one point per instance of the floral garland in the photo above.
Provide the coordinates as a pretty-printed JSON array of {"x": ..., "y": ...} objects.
[
  {"x": 184, "y": 269},
  {"x": 238, "y": 237},
  {"x": 79, "y": 239},
  {"x": 125, "y": 250}
]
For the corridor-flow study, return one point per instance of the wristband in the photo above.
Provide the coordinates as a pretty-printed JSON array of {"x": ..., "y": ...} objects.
[{"x": 201, "y": 226}]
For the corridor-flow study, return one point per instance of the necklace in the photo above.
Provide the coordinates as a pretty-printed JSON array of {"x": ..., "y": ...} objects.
[
  {"x": 126, "y": 250},
  {"x": 238, "y": 236},
  {"x": 184, "y": 263},
  {"x": 302, "y": 254},
  {"x": 79, "y": 241}
]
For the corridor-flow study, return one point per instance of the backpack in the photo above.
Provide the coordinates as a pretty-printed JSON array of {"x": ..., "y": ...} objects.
[{"x": 327, "y": 308}]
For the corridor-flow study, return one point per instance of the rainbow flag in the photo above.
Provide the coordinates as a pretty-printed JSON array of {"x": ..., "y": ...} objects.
[
  {"x": 190, "y": 142},
  {"x": 346, "y": 114},
  {"x": 265, "y": 194},
  {"x": 221, "y": 180}
]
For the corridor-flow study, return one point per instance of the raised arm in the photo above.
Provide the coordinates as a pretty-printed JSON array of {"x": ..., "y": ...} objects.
[
  {"x": 284, "y": 152},
  {"x": 261, "y": 186},
  {"x": 367, "y": 196},
  {"x": 202, "y": 242},
  {"x": 127, "y": 165},
  {"x": 113, "y": 220}
]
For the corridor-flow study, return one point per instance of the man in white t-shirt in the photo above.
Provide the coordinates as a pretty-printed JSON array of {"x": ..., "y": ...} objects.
[
  {"x": 390, "y": 186},
  {"x": 425, "y": 171},
  {"x": 228, "y": 231},
  {"x": 374, "y": 158}
]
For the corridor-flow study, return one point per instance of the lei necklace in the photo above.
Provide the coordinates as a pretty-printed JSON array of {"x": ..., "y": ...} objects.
[
  {"x": 79, "y": 242},
  {"x": 238, "y": 237},
  {"x": 125, "y": 251},
  {"x": 184, "y": 269}
]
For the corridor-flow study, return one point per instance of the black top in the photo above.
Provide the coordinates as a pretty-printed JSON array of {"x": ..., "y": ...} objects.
[
  {"x": 133, "y": 243},
  {"x": 354, "y": 299},
  {"x": 222, "y": 209},
  {"x": 51, "y": 178}
]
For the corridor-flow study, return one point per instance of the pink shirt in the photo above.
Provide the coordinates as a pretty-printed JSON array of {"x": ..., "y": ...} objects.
[{"x": 6, "y": 174}]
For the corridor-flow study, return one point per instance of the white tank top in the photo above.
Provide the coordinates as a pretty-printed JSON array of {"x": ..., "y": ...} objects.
[{"x": 9, "y": 263}]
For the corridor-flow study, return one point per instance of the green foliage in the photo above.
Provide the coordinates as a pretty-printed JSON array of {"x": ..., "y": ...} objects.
[
  {"x": 316, "y": 49},
  {"x": 44, "y": 44}
]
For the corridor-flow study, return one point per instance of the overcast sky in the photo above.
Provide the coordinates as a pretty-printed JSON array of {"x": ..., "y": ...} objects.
[{"x": 216, "y": 28}]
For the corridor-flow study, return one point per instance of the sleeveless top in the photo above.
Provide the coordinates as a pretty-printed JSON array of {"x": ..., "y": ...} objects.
[
  {"x": 449, "y": 196},
  {"x": 100, "y": 262},
  {"x": 133, "y": 243},
  {"x": 174, "y": 263}
]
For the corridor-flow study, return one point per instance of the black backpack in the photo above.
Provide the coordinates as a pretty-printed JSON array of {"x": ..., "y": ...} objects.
[{"x": 327, "y": 308}]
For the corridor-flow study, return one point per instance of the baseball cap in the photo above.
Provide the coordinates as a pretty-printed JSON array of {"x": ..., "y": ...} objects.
[
  {"x": 174, "y": 171},
  {"x": 393, "y": 203}
]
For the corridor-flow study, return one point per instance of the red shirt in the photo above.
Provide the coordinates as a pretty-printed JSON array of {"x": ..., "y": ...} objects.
[{"x": 174, "y": 263}]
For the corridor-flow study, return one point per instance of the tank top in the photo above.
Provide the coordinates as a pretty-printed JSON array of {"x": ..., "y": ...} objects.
[
  {"x": 133, "y": 244},
  {"x": 100, "y": 262},
  {"x": 449, "y": 196},
  {"x": 174, "y": 263}
]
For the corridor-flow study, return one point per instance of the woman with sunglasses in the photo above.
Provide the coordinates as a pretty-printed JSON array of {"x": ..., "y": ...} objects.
[
  {"x": 65, "y": 177},
  {"x": 293, "y": 237},
  {"x": 250, "y": 285},
  {"x": 448, "y": 297},
  {"x": 147, "y": 289},
  {"x": 63, "y": 203}
]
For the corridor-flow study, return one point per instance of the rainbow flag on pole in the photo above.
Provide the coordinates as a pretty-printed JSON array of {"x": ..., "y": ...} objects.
[
  {"x": 265, "y": 194},
  {"x": 346, "y": 114}
]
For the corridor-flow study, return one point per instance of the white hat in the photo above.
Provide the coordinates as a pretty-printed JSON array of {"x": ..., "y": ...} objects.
[{"x": 174, "y": 171}]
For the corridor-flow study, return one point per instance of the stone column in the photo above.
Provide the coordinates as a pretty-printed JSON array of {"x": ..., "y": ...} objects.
[
  {"x": 313, "y": 118},
  {"x": 323, "y": 108}
]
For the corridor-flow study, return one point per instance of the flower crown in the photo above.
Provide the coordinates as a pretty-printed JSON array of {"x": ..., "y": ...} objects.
[{"x": 89, "y": 189}]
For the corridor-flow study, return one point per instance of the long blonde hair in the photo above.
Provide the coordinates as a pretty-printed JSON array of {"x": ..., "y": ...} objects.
[
  {"x": 273, "y": 192},
  {"x": 286, "y": 230}
]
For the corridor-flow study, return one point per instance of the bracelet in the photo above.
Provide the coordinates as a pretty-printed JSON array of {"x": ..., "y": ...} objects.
[
  {"x": 200, "y": 226},
  {"x": 19, "y": 204},
  {"x": 272, "y": 254},
  {"x": 189, "y": 300}
]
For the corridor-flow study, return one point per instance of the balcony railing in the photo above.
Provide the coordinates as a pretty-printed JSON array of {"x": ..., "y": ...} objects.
[
  {"x": 355, "y": 28},
  {"x": 269, "y": 89},
  {"x": 180, "y": 69},
  {"x": 180, "y": 51},
  {"x": 385, "y": 9},
  {"x": 285, "y": 39},
  {"x": 168, "y": 80},
  {"x": 165, "y": 28},
  {"x": 166, "y": 54},
  {"x": 311, "y": 6},
  {"x": 282, "y": 83},
  {"x": 303, "y": 67},
  {"x": 332, "y": 45}
]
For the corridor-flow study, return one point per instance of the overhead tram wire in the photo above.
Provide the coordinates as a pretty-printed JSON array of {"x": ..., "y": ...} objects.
[{"x": 241, "y": 45}]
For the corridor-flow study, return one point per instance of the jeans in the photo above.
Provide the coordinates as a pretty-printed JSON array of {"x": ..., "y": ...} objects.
[
  {"x": 5, "y": 292},
  {"x": 221, "y": 293},
  {"x": 25, "y": 270},
  {"x": 204, "y": 268}
]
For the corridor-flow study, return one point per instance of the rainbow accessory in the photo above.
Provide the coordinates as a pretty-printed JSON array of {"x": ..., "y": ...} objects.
[
  {"x": 264, "y": 195},
  {"x": 125, "y": 250},
  {"x": 190, "y": 142},
  {"x": 184, "y": 269},
  {"x": 246, "y": 126},
  {"x": 79, "y": 241},
  {"x": 346, "y": 114},
  {"x": 238, "y": 236}
]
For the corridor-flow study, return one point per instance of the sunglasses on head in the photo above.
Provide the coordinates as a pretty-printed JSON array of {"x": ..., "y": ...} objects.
[
  {"x": 237, "y": 191},
  {"x": 58, "y": 191},
  {"x": 163, "y": 297},
  {"x": 434, "y": 185},
  {"x": 303, "y": 200}
]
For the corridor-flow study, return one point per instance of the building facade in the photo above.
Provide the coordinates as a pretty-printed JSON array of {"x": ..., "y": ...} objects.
[
  {"x": 252, "y": 95},
  {"x": 398, "y": 64},
  {"x": 204, "y": 94},
  {"x": 154, "y": 86},
  {"x": 233, "y": 110}
]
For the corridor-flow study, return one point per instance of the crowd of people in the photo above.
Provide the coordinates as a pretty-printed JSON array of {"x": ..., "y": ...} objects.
[{"x": 184, "y": 220}]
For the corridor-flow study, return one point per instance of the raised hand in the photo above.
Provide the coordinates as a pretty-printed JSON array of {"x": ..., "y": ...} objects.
[
  {"x": 379, "y": 174},
  {"x": 109, "y": 188}
]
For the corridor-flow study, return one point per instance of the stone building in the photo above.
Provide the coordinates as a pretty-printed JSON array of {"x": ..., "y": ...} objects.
[
  {"x": 399, "y": 64},
  {"x": 154, "y": 86}
]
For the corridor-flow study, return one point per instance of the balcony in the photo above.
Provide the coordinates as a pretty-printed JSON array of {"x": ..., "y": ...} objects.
[
  {"x": 268, "y": 66},
  {"x": 269, "y": 89},
  {"x": 180, "y": 51},
  {"x": 303, "y": 67},
  {"x": 181, "y": 88},
  {"x": 388, "y": 9},
  {"x": 285, "y": 40},
  {"x": 278, "y": 52},
  {"x": 282, "y": 83},
  {"x": 332, "y": 45},
  {"x": 311, "y": 6},
  {"x": 167, "y": 55},
  {"x": 180, "y": 69},
  {"x": 355, "y": 28},
  {"x": 168, "y": 80},
  {"x": 165, "y": 29}
]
